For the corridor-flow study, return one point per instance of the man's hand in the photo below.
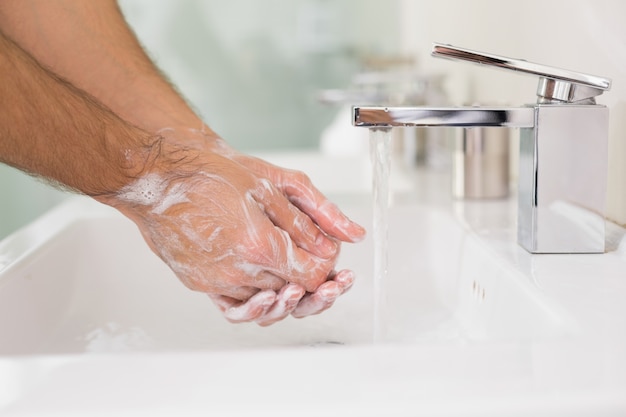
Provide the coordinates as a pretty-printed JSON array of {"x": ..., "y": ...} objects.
[
  {"x": 268, "y": 307},
  {"x": 261, "y": 240}
]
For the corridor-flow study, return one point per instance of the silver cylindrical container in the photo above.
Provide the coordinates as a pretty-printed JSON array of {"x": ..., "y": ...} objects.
[{"x": 480, "y": 166}]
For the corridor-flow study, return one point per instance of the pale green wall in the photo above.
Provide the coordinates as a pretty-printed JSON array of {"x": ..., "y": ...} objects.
[
  {"x": 251, "y": 68},
  {"x": 22, "y": 199}
]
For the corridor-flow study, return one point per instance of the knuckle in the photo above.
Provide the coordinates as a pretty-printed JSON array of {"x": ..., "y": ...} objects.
[
  {"x": 300, "y": 177},
  {"x": 318, "y": 279}
]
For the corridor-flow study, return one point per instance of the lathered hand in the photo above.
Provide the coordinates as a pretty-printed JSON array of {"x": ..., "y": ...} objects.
[
  {"x": 268, "y": 307},
  {"x": 228, "y": 225},
  {"x": 260, "y": 240}
]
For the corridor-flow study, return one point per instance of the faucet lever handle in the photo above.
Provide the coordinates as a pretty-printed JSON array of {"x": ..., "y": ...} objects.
[{"x": 555, "y": 84}]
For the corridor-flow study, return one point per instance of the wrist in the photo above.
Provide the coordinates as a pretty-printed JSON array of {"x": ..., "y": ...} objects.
[{"x": 153, "y": 169}]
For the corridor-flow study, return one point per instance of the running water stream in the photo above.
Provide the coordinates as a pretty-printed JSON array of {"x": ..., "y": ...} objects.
[{"x": 380, "y": 154}]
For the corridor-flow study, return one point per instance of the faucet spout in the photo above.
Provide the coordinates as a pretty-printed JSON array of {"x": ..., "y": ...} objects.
[
  {"x": 562, "y": 165},
  {"x": 511, "y": 117}
]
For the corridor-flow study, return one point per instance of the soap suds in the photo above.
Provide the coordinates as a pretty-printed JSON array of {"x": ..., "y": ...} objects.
[
  {"x": 215, "y": 241},
  {"x": 176, "y": 195},
  {"x": 111, "y": 337},
  {"x": 145, "y": 191}
]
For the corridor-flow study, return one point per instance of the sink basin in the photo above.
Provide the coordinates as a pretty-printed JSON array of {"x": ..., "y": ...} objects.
[
  {"x": 96, "y": 287},
  {"x": 92, "y": 321}
]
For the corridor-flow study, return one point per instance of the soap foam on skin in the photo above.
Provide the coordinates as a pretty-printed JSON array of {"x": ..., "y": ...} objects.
[
  {"x": 325, "y": 208},
  {"x": 145, "y": 191},
  {"x": 175, "y": 196},
  {"x": 195, "y": 249},
  {"x": 153, "y": 191}
]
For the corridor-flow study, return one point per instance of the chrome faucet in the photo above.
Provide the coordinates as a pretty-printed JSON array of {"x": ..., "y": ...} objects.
[{"x": 563, "y": 150}]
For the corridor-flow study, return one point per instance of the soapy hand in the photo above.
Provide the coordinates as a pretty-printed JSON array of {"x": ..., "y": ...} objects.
[
  {"x": 260, "y": 240},
  {"x": 268, "y": 307}
]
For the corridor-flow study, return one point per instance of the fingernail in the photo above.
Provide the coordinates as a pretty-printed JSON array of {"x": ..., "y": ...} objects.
[
  {"x": 346, "y": 280},
  {"x": 264, "y": 298},
  {"x": 354, "y": 231},
  {"x": 291, "y": 303},
  {"x": 346, "y": 277},
  {"x": 290, "y": 295},
  {"x": 268, "y": 302},
  {"x": 359, "y": 234},
  {"x": 294, "y": 291},
  {"x": 330, "y": 292}
]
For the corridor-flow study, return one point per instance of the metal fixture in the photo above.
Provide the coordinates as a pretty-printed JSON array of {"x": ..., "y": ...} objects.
[
  {"x": 397, "y": 82},
  {"x": 563, "y": 149},
  {"x": 480, "y": 163}
]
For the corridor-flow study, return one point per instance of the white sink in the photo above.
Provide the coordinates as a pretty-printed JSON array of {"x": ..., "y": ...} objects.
[{"x": 91, "y": 322}]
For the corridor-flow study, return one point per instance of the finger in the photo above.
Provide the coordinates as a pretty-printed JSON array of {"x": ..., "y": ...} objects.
[
  {"x": 271, "y": 249},
  {"x": 286, "y": 301},
  {"x": 297, "y": 187},
  {"x": 236, "y": 293},
  {"x": 237, "y": 311},
  {"x": 301, "y": 192},
  {"x": 291, "y": 263},
  {"x": 345, "y": 279},
  {"x": 303, "y": 231},
  {"x": 320, "y": 300},
  {"x": 316, "y": 303},
  {"x": 226, "y": 287},
  {"x": 268, "y": 281}
]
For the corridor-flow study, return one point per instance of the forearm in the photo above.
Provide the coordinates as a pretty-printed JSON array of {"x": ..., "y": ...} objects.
[
  {"x": 90, "y": 44},
  {"x": 50, "y": 128}
]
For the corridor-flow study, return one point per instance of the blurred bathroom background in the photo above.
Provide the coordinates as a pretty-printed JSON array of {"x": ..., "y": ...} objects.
[
  {"x": 253, "y": 68},
  {"x": 250, "y": 68}
]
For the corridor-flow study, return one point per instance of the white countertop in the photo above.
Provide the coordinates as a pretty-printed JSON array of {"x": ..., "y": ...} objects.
[{"x": 494, "y": 330}]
